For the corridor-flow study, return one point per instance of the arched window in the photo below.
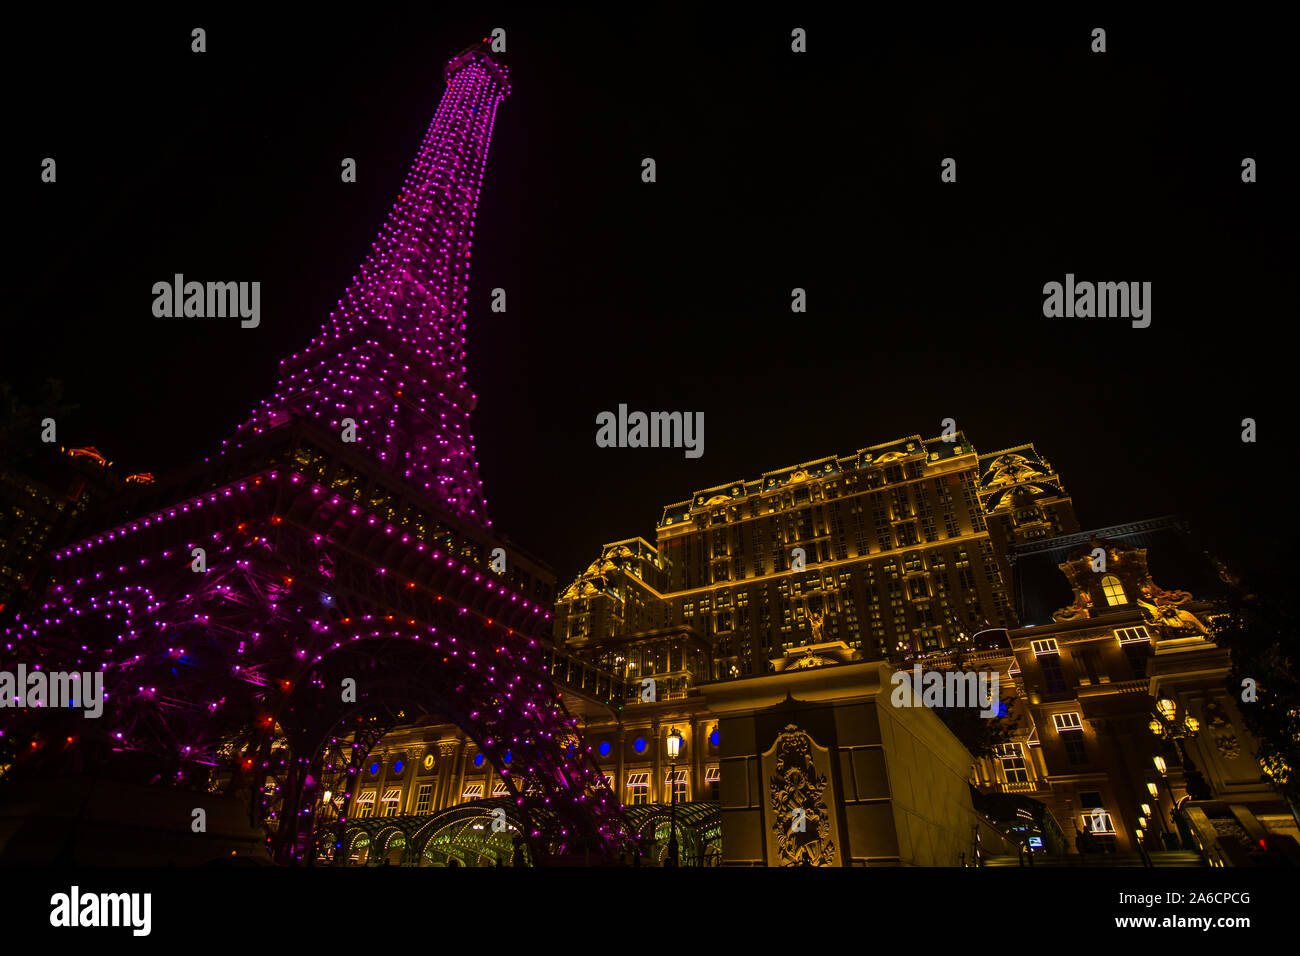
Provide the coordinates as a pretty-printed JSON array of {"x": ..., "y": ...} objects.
[{"x": 1113, "y": 590}]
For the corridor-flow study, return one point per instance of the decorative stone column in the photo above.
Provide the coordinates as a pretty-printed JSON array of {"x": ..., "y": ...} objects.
[
  {"x": 699, "y": 744},
  {"x": 446, "y": 754},
  {"x": 458, "y": 785},
  {"x": 620, "y": 775},
  {"x": 656, "y": 774}
]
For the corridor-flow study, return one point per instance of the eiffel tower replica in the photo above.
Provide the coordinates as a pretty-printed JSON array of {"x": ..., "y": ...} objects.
[{"x": 264, "y": 619}]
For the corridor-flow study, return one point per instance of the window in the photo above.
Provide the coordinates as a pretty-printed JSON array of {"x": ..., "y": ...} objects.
[
  {"x": 1137, "y": 653},
  {"x": 391, "y": 801},
  {"x": 499, "y": 789},
  {"x": 713, "y": 779},
  {"x": 473, "y": 791},
  {"x": 424, "y": 798},
  {"x": 1013, "y": 763},
  {"x": 1113, "y": 590},
  {"x": 1075, "y": 752},
  {"x": 1130, "y": 635},
  {"x": 680, "y": 783},
  {"x": 638, "y": 787},
  {"x": 1052, "y": 673},
  {"x": 1067, "y": 721},
  {"x": 366, "y": 803},
  {"x": 1098, "y": 821},
  {"x": 1046, "y": 646}
]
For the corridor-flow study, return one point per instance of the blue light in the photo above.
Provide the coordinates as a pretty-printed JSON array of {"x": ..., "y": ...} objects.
[
  {"x": 713, "y": 738},
  {"x": 509, "y": 756},
  {"x": 374, "y": 769},
  {"x": 478, "y": 760},
  {"x": 639, "y": 744},
  {"x": 397, "y": 767},
  {"x": 604, "y": 748}
]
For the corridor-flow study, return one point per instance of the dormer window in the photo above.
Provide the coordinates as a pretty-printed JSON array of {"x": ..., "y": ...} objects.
[{"x": 1113, "y": 590}]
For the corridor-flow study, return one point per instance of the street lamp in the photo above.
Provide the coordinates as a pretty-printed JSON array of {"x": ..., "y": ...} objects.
[
  {"x": 1166, "y": 725},
  {"x": 674, "y": 742}
]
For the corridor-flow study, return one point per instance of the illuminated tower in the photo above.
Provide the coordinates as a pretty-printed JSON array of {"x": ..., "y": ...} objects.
[
  {"x": 230, "y": 607},
  {"x": 390, "y": 362}
]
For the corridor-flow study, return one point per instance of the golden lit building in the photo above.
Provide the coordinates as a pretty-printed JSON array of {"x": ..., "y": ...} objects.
[
  {"x": 888, "y": 549},
  {"x": 1127, "y": 730},
  {"x": 752, "y": 650},
  {"x": 41, "y": 504}
]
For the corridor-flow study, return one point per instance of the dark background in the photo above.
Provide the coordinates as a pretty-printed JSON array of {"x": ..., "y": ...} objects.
[{"x": 775, "y": 170}]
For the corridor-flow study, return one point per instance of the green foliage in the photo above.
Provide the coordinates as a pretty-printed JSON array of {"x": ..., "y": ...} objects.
[
  {"x": 1262, "y": 633},
  {"x": 20, "y": 423},
  {"x": 980, "y": 735}
]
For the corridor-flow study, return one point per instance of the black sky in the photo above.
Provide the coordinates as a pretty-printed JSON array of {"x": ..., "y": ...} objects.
[{"x": 775, "y": 171}]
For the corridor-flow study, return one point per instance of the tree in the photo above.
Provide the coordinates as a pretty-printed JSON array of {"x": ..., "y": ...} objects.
[
  {"x": 980, "y": 735},
  {"x": 1261, "y": 632},
  {"x": 20, "y": 424}
]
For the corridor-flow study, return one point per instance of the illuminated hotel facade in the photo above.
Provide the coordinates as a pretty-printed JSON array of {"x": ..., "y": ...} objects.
[
  {"x": 898, "y": 549},
  {"x": 910, "y": 550}
]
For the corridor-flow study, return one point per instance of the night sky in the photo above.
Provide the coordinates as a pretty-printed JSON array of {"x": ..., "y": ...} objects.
[{"x": 775, "y": 170}]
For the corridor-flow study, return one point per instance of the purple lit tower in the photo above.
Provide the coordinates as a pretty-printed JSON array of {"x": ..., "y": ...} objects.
[
  {"x": 228, "y": 605},
  {"x": 392, "y": 356}
]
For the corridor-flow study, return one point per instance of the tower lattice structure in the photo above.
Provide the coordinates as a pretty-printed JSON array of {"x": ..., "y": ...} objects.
[
  {"x": 264, "y": 619},
  {"x": 390, "y": 362}
]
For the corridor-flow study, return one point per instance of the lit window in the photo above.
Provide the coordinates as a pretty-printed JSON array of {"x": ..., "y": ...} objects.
[
  {"x": 1098, "y": 821},
  {"x": 392, "y": 798},
  {"x": 638, "y": 785},
  {"x": 679, "y": 781},
  {"x": 713, "y": 780},
  {"x": 366, "y": 803},
  {"x": 473, "y": 791},
  {"x": 1131, "y": 635},
  {"x": 1113, "y": 590},
  {"x": 1013, "y": 763},
  {"x": 499, "y": 789},
  {"x": 1067, "y": 721},
  {"x": 424, "y": 798},
  {"x": 1046, "y": 646}
]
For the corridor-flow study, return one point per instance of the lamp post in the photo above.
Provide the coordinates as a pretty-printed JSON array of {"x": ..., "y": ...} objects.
[
  {"x": 1166, "y": 724},
  {"x": 674, "y": 742}
]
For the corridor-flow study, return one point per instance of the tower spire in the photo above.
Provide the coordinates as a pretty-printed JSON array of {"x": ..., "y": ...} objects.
[{"x": 390, "y": 362}]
